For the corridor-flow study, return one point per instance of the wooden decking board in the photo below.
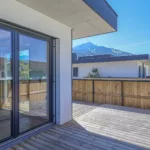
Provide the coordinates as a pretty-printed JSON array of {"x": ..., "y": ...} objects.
[
  {"x": 47, "y": 143},
  {"x": 96, "y": 127},
  {"x": 118, "y": 137},
  {"x": 129, "y": 130},
  {"x": 60, "y": 145},
  {"x": 78, "y": 110},
  {"x": 11, "y": 148},
  {"x": 28, "y": 146},
  {"x": 62, "y": 140},
  {"x": 18, "y": 147},
  {"x": 93, "y": 138},
  {"x": 35, "y": 144},
  {"x": 115, "y": 127},
  {"x": 108, "y": 141},
  {"x": 77, "y": 141},
  {"x": 112, "y": 133}
]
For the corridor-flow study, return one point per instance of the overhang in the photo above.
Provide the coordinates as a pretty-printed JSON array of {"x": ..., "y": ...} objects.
[
  {"x": 103, "y": 58},
  {"x": 85, "y": 17}
]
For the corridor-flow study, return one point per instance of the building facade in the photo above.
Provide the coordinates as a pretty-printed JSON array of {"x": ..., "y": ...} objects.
[
  {"x": 137, "y": 66},
  {"x": 42, "y": 31}
]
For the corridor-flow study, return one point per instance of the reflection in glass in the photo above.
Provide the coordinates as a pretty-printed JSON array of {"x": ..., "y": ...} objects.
[
  {"x": 33, "y": 82},
  {"x": 5, "y": 84}
]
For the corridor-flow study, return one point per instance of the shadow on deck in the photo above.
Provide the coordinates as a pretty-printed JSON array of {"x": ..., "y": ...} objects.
[{"x": 96, "y": 127}]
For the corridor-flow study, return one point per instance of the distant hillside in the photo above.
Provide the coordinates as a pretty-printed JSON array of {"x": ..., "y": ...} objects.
[{"x": 89, "y": 49}]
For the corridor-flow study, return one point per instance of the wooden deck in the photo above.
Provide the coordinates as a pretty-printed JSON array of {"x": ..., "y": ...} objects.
[{"x": 96, "y": 127}]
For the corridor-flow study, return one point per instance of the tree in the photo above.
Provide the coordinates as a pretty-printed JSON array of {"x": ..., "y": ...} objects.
[
  {"x": 94, "y": 73},
  {"x": 24, "y": 70}
]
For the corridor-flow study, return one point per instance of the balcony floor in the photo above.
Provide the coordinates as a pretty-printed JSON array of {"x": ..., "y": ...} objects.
[{"x": 96, "y": 127}]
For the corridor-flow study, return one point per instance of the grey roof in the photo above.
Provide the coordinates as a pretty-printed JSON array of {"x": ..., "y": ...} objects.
[
  {"x": 109, "y": 58},
  {"x": 103, "y": 9}
]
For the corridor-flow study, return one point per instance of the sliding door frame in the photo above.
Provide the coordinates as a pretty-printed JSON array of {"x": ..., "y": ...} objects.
[
  {"x": 9, "y": 29},
  {"x": 15, "y": 85},
  {"x": 15, "y": 31},
  {"x": 49, "y": 77}
]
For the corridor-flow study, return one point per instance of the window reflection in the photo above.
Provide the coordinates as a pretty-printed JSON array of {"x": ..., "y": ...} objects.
[
  {"x": 33, "y": 82},
  {"x": 5, "y": 84}
]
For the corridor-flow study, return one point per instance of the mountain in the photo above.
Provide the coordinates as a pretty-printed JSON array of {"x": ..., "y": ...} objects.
[{"x": 89, "y": 49}]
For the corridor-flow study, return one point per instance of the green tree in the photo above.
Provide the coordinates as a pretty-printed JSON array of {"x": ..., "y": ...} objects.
[
  {"x": 94, "y": 73},
  {"x": 24, "y": 70}
]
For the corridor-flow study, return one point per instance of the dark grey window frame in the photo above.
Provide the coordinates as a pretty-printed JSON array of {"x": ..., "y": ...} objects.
[
  {"x": 15, "y": 30},
  {"x": 140, "y": 71},
  {"x": 75, "y": 71},
  {"x": 144, "y": 72}
]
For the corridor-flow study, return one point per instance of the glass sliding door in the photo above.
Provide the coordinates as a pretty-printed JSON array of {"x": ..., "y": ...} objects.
[
  {"x": 5, "y": 84},
  {"x": 25, "y": 80},
  {"x": 33, "y": 82}
]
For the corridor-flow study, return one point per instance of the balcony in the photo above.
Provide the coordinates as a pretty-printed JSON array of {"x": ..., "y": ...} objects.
[
  {"x": 96, "y": 127},
  {"x": 107, "y": 114}
]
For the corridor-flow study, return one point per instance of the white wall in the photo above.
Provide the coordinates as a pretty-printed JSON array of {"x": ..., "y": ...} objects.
[
  {"x": 147, "y": 70},
  {"x": 112, "y": 69},
  {"x": 146, "y": 66},
  {"x": 13, "y": 11}
]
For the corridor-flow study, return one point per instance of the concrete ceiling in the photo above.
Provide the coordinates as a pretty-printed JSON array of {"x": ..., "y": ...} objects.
[{"x": 74, "y": 13}]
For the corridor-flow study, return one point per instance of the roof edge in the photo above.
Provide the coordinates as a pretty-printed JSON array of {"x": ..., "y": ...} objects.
[
  {"x": 104, "y": 10},
  {"x": 111, "y": 59}
]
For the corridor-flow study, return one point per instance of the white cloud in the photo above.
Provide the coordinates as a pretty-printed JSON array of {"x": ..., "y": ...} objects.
[{"x": 135, "y": 44}]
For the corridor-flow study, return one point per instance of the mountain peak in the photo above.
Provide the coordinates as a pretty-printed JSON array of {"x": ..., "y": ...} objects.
[
  {"x": 87, "y": 45},
  {"x": 89, "y": 49}
]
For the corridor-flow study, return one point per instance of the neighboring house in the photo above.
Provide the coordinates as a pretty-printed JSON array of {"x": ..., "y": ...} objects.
[
  {"x": 37, "y": 69},
  {"x": 135, "y": 66},
  {"x": 45, "y": 27}
]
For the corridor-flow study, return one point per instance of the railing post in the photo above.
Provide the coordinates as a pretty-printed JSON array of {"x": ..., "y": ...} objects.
[
  {"x": 122, "y": 96},
  {"x": 93, "y": 90}
]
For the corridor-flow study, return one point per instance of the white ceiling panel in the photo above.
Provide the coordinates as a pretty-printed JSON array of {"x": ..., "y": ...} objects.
[{"x": 74, "y": 13}]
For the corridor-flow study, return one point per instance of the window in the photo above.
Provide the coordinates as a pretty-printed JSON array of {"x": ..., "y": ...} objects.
[
  {"x": 33, "y": 100},
  {"x": 5, "y": 84},
  {"x": 140, "y": 71},
  {"x": 144, "y": 72},
  {"x": 75, "y": 72},
  {"x": 26, "y": 85}
]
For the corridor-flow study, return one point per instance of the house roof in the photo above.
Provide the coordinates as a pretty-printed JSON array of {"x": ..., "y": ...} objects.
[
  {"x": 109, "y": 58},
  {"x": 85, "y": 17}
]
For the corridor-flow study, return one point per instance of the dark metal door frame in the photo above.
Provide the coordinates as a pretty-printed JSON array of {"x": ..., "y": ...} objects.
[{"x": 15, "y": 31}]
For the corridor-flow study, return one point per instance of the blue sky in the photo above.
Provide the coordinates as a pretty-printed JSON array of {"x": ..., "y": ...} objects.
[{"x": 133, "y": 33}]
